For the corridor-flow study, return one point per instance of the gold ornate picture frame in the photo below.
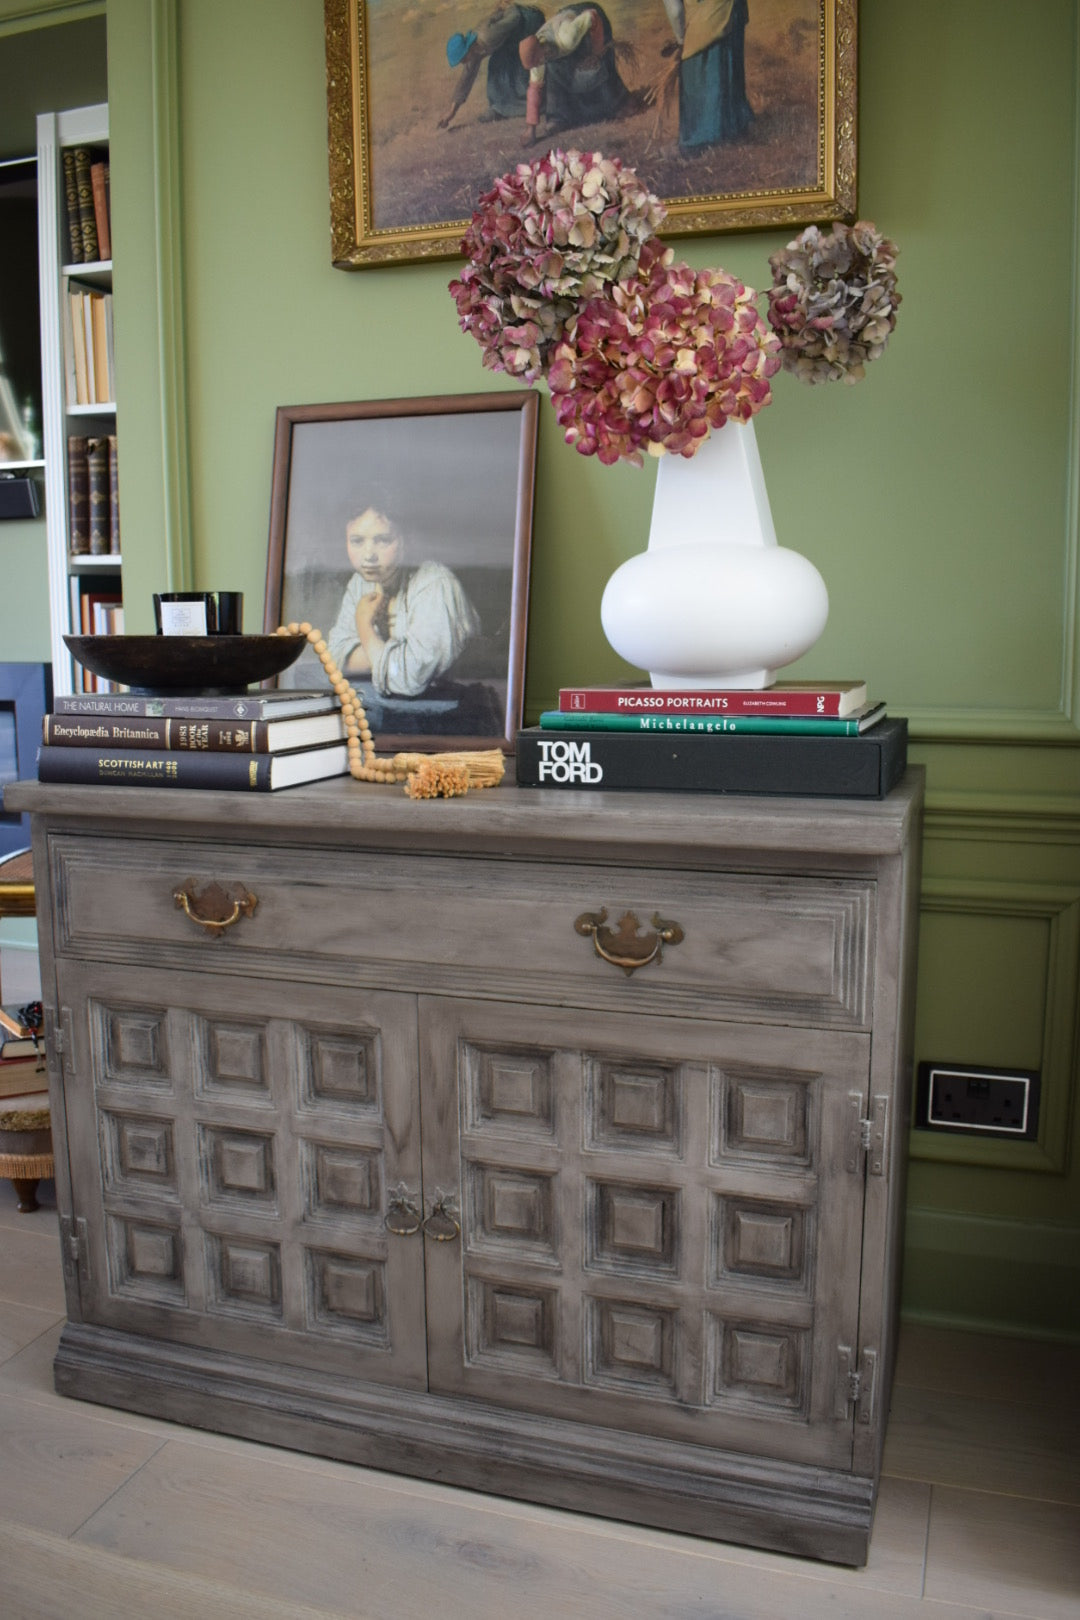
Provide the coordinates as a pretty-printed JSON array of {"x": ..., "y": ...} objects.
[
  {"x": 749, "y": 123},
  {"x": 414, "y": 515}
]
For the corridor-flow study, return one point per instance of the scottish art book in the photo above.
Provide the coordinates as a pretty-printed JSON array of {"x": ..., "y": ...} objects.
[{"x": 148, "y": 767}]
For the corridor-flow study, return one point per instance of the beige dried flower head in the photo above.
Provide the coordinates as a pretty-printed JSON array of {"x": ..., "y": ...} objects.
[{"x": 833, "y": 301}]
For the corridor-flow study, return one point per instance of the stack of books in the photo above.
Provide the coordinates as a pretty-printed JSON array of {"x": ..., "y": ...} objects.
[
  {"x": 253, "y": 742},
  {"x": 22, "y": 1052},
  {"x": 800, "y": 737},
  {"x": 88, "y": 200}
]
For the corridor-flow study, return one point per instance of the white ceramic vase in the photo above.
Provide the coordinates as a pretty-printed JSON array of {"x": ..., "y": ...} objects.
[{"x": 714, "y": 601}]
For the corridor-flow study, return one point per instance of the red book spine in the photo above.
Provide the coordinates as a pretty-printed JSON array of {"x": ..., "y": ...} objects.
[{"x": 772, "y": 701}]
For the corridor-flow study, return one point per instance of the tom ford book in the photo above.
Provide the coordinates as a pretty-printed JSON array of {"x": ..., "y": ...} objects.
[{"x": 866, "y": 766}]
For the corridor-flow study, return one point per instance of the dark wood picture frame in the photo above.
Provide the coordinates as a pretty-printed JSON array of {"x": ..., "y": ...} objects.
[
  {"x": 404, "y": 180},
  {"x": 25, "y": 699},
  {"x": 453, "y": 477}
]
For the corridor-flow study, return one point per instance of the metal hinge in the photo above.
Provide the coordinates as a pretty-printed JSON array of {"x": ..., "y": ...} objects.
[
  {"x": 75, "y": 1251},
  {"x": 855, "y": 1386},
  {"x": 54, "y": 1035},
  {"x": 867, "y": 1136}
]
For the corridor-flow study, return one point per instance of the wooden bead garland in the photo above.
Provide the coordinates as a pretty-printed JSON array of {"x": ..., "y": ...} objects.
[{"x": 426, "y": 776}]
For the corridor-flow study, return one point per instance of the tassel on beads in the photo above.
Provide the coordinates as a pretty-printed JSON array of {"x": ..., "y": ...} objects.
[{"x": 426, "y": 776}]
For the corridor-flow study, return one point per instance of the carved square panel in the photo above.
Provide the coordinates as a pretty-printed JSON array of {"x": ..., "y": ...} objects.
[
  {"x": 634, "y": 1105},
  {"x": 134, "y": 1045},
  {"x": 339, "y": 1179},
  {"x": 508, "y": 1091},
  {"x": 138, "y": 1153},
  {"x": 630, "y": 1345},
  {"x": 756, "y": 1366},
  {"x": 339, "y": 1069},
  {"x": 146, "y": 1259},
  {"x": 763, "y": 1240},
  {"x": 346, "y": 1296},
  {"x": 630, "y": 1227},
  {"x": 764, "y": 1116},
  {"x": 513, "y": 1327},
  {"x": 232, "y": 1057},
  {"x": 244, "y": 1276},
  {"x": 237, "y": 1166},
  {"x": 511, "y": 1210}
]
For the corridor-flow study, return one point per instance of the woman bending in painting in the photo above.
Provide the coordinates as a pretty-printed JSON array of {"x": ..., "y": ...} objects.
[
  {"x": 573, "y": 74},
  {"x": 712, "y": 74},
  {"x": 400, "y": 626},
  {"x": 496, "y": 41}
]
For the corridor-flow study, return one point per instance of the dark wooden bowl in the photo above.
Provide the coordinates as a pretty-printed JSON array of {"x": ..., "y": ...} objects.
[{"x": 188, "y": 665}]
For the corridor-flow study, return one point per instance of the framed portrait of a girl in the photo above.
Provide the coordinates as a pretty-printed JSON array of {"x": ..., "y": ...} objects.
[{"x": 402, "y": 528}]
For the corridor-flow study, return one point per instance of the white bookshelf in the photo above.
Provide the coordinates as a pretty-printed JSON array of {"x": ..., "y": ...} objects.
[{"x": 80, "y": 126}]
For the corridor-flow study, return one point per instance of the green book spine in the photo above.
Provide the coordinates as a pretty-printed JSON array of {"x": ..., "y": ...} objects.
[
  {"x": 702, "y": 725},
  {"x": 71, "y": 207},
  {"x": 85, "y": 194}
]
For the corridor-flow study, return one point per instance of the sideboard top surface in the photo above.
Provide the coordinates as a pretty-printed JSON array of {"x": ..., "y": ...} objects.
[{"x": 518, "y": 820}]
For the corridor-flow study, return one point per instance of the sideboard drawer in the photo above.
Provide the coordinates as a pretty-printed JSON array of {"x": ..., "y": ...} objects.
[{"x": 738, "y": 944}]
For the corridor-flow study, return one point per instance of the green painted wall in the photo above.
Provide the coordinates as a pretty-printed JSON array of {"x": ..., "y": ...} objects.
[
  {"x": 40, "y": 69},
  {"x": 938, "y": 498}
]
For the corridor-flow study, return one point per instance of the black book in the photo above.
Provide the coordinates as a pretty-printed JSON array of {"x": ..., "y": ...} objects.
[
  {"x": 866, "y": 766},
  {"x": 152, "y": 767}
]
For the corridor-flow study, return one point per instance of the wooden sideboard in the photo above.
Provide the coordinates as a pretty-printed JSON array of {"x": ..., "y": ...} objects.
[{"x": 383, "y": 1132}]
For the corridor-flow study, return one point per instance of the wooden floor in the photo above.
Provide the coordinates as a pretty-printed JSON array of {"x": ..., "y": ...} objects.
[{"x": 104, "y": 1514}]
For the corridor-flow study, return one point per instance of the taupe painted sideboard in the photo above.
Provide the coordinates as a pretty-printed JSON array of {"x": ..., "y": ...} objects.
[{"x": 382, "y": 1131}]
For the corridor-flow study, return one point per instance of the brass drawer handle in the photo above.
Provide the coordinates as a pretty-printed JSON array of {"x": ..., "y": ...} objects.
[
  {"x": 624, "y": 947},
  {"x": 442, "y": 1225},
  {"x": 403, "y": 1217},
  {"x": 214, "y": 909}
]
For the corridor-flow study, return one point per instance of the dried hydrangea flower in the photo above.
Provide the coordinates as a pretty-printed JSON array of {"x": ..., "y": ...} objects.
[
  {"x": 833, "y": 301},
  {"x": 660, "y": 361},
  {"x": 547, "y": 236}
]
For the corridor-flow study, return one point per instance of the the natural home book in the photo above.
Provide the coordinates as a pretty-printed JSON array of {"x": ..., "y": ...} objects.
[
  {"x": 271, "y": 705},
  {"x": 864, "y": 767}
]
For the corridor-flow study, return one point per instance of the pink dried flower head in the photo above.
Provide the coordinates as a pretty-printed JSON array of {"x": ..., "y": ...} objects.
[
  {"x": 546, "y": 237},
  {"x": 664, "y": 358},
  {"x": 833, "y": 301}
]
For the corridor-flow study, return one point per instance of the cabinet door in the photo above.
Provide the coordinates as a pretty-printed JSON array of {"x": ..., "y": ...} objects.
[
  {"x": 234, "y": 1147},
  {"x": 659, "y": 1230}
]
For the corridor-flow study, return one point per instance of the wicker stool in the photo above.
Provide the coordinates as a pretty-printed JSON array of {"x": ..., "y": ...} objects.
[{"x": 26, "y": 1151}]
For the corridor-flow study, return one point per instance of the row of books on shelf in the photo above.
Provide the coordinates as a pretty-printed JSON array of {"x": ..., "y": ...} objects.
[
  {"x": 93, "y": 490},
  {"x": 800, "y": 738},
  {"x": 87, "y": 203},
  {"x": 95, "y": 612},
  {"x": 253, "y": 742},
  {"x": 91, "y": 374}
]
